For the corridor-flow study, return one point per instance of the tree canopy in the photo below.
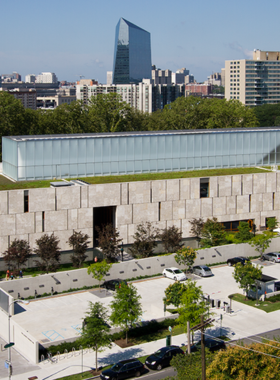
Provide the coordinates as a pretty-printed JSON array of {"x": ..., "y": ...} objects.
[
  {"x": 95, "y": 331},
  {"x": 246, "y": 275},
  {"x": 256, "y": 361},
  {"x": 126, "y": 307}
]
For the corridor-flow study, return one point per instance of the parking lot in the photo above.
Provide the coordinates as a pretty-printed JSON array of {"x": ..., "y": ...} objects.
[{"x": 60, "y": 317}]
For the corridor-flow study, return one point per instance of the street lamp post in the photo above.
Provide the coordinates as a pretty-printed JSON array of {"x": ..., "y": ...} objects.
[{"x": 10, "y": 344}]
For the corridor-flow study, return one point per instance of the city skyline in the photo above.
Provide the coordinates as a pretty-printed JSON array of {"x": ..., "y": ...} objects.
[{"x": 72, "y": 38}]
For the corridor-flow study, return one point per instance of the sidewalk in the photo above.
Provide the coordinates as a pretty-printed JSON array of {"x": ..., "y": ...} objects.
[{"x": 236, "y": 326}]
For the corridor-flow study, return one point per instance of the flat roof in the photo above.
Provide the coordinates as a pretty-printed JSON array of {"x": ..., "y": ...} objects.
[{"x": 140, "y": 133}]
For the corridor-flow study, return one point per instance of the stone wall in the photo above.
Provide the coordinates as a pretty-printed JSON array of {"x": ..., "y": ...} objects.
[{"x": 164, "y": 203}]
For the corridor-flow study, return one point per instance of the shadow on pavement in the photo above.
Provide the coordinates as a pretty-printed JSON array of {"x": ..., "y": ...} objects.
[{"x": 115, "y": 357}]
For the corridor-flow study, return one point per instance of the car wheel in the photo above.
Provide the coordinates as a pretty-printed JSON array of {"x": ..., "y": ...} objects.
[
  {"x": 164, "y": 274},
  {"x": 138, "y": 374},
  {"x": 274, "y": 261},
  {"x": 174, "y": 278},
  {"x": 159, "y": 367},
  {"x": 229, "y": 264}
]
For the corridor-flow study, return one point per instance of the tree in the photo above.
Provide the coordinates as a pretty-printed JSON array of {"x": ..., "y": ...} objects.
[
  {"x": 261, "y": 242},
  {"x": 173, "y": 293},
  {"x": 196, "y": 228},
  {"x": 126, "y": 308},
  {"x": 17, "y": 254},
  {"x": 196, "y": 113},
  {"x": 246, "y": 275},
  {"x": 244, "y": 234},
  {"x": 79, "y": 243},
  {"x": 144, "y": 240},
  {"x": 186, "y": 256},
  {"x": 108, "y": 113},
  {"x": 95, "y": 331},
  {"x": 99, "y": 270},
  {"x": 192, "y": 305},
  {"x": 256, "y": 361},
  {"x": 48, "y": 252},
  {"x": 272, "y": 223},
  {"x": 213, "y": 233},
  {"x": 109, "y": 241},
  {"x": 171, "y": 238},
  {"x": 189, "y": 366}
]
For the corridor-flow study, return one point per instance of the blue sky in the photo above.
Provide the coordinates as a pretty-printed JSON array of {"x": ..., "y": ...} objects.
[{"x": 72, "y": 38}]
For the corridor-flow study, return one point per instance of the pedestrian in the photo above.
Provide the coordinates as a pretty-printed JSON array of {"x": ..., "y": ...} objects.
[
  {"x": 12, "y": 276},
  {"x": 7, "y": 275},
  {"x": 20, "y": 274}
]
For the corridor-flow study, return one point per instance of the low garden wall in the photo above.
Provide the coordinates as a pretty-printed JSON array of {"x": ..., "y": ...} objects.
[{"x": 77, "y": 279}]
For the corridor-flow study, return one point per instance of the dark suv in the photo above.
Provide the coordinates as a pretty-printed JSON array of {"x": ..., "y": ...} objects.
[
  {"x": 211, "y": 344},
  {"x": 113, "y": 284},
  {"x": 236, "y": 260},
  {"x": 123, "y": 370},
  {"x": 162, "y": 357}
]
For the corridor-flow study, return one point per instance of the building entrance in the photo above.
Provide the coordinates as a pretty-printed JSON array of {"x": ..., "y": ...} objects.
[{"x": 101, "y": 217}]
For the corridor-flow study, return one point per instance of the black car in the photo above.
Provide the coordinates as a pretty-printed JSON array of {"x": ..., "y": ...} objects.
[
  {"x": 211, "y": 344},
  {"x": 123, "y": 370},
  {"x": 235, "y": 260},
  {"x": 113, "y": 284},
  {"x": 162, "y": 357}
]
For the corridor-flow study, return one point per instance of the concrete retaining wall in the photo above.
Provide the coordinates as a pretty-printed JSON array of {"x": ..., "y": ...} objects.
[{"x": 61, "y": 281}]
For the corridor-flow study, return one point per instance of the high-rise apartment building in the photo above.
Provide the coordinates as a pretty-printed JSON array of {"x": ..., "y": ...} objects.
[
  {"x": 46, "y": 77},
  {"x": 254, "y": 81},
  {"x": 132, "y": 56},
  {"x": 144, "y": 96}
]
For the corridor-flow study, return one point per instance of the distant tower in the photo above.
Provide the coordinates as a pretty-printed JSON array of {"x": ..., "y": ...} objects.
[{"x": 132, "y": 56}]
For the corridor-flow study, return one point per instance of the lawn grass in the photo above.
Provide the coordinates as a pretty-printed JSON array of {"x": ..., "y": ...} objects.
[
  {"x": 266, "y": 305},
  {"x": 6, "y": 184}
]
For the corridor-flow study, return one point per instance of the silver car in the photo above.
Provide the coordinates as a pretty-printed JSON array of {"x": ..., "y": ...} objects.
[
  {"x": 272, "y": 256},
  {"x": 202, "y": 270}
]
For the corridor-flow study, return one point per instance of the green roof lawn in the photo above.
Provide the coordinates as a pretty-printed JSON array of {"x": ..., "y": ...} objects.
[{"x": 6, "y": 184}]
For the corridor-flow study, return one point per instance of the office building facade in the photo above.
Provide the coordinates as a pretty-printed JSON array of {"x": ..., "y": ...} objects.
[
  {"x": 254, "y": 81},
  {"x": 132, "y": 55}
]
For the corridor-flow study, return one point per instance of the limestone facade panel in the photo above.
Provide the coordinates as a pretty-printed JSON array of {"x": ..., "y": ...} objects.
[
  {"x": 4, "y": 202},
  {"x": 101, "y": 195},
  {"x": 179, "y": 210},
  {"x": 166, "y": 210},
  {"x": 85, "y": 218},
  {"x": 220, "y": 206},
  {"x": 55, "y": 220},
  {"x": 159, "y": 191},
  {"x": 124, "y": 215},
  {"x": 25, "y": 223},
  {"x": 43, "y": 199},
  {"x": 16, "y": 199},
  {"x": 139, "y": 192},
  {"x": 146, "y": 212},
  {"x": 173, "y": 190},
  {"x": 70, "y": 199}
]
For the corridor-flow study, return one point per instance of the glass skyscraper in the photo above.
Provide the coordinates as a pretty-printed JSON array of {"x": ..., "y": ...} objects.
[{"x": 132, "y": 56}]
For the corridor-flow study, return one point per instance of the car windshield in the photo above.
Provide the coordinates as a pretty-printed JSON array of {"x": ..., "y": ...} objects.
[
  {"x": 116, "y": 367},
  {"x": 159, "y": 353},
  {"x": 177, "y": 271}
]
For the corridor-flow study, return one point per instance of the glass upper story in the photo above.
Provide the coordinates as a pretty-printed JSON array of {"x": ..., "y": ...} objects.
[
  {"x": 132, "y": 56},
  {"x": 86, "y": 155}
]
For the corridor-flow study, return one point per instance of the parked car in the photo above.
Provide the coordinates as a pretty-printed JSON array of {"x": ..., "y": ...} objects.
[
  {"x": 162, "y": 357},
  {"x": 202, "y": 270},
  {"x": 123, "y": 370},
  {"x": 174, "y": 273},
  {"x": 276, "y": 286},
  {"x": 235, "y": 260},
  {"x": 211, "y": 344},
  {"x": 113, "y": 284},
  {"x": 272, "y": 256}
]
